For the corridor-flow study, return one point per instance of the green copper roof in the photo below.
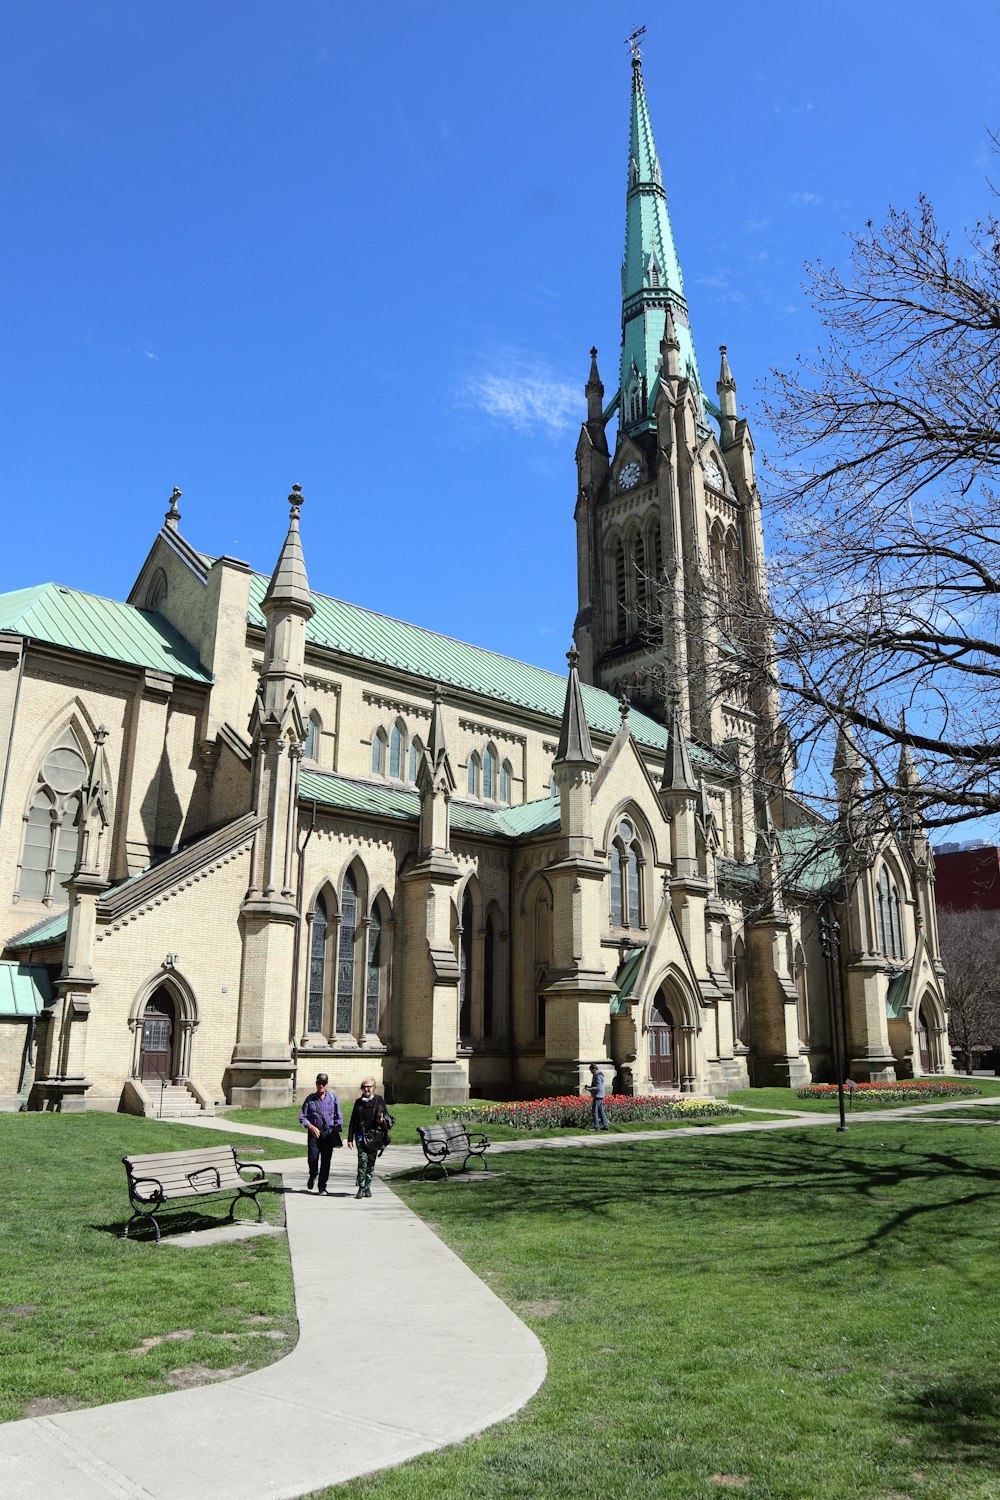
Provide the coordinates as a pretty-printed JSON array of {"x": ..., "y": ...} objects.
[
  {"x": 369, "y": 637},
  {"x": 24, "y": 989},
  {"x": 651, "y": 271},
  {"x": 99, "y": 627},
  {"x": 895, "y": 996},
  {"x": 399, "y": 803},
  {"x": 810, "y": 864}
]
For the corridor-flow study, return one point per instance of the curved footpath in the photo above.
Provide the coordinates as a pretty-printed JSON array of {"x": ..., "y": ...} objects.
[{"x": 458, "y": 1359}]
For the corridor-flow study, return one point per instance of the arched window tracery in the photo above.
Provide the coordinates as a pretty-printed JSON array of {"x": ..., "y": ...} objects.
[
  {"x": 474, "y": 774},
  {"x": 416, "y": 753},
  {"x": 346, "y": 954},
  {"x": 626, "y": 877},
  {"x": 397, "y": 750},
  {"x": 380, "y": 748},
  {"x": 889, "y": 916},
  {"x": 490, "y": 773},
  {"x": 48, "y": 850},
  {"x": 506, "y": 777},
  {"x": 316, "y": 1002}
]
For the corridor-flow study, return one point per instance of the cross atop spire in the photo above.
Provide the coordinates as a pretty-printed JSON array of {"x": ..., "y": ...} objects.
[{"x": 633, "y": 41}]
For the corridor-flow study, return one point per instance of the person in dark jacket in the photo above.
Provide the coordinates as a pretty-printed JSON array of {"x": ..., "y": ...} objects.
[
  {"x": 368, "y": 1130},
  {"x": 322, "y": 1117}
]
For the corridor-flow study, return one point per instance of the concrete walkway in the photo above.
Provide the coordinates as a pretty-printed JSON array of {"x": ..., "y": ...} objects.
[
  {"x": 374, "y": 1290},
  {"x": 376, "y": 1293}
]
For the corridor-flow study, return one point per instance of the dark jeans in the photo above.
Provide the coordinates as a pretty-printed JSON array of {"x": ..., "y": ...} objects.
[
  {"x": 320, "y": 1152},
  {"x": 600, "y": 1115}
]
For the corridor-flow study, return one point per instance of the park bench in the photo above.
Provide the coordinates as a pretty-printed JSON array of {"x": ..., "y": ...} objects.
[
  {"x": 451, "y": 1140},
  {"x": 170, "y": 1176}
]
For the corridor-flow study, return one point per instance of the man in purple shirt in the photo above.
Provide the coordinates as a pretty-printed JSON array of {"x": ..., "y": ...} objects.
[{"x": 321, "y": 1116}]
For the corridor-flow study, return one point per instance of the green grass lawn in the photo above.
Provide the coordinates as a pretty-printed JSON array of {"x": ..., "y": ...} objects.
[
  {"x": 409, "y": 1116},
  {"x": 79, "y": 1306},
  {"x": 988, "y": 1088},
  {"x": 784, "y": 1316}
]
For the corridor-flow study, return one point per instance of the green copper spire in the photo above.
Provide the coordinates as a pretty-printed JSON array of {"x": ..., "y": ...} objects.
[{"x": 651, "y": 273}]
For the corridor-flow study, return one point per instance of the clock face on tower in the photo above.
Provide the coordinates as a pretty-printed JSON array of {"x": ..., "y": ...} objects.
[{"x": 628, "y": 476}]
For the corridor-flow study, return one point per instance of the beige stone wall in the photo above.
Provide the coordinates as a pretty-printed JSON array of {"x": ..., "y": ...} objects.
[
  {"x": 200, "y": 925},
  {"x": 12, "y": 1041}
]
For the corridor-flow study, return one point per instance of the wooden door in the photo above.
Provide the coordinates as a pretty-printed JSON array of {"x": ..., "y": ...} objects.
[
  {"x": 662, "y": 1036},
  {"x": 923, "y": 1036},
  {"x": 156, "y": 1057}
]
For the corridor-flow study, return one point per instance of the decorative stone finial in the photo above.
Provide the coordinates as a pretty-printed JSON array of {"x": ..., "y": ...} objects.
[
  {"x": 296, "y": 500},
  {"x": 173, "y": 515},
  {"x": 593, "y": 352},
  {"x": 572, "y": 656},
  {"x": 102, "y": 733},
  {"x": 623, "y": 707}
]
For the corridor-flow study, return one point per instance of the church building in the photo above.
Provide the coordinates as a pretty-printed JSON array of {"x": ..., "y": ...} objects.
[{"x": 251, "y": 832}]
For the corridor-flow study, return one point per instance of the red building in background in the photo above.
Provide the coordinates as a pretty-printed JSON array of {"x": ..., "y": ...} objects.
[{"x": 967, "y": 878}]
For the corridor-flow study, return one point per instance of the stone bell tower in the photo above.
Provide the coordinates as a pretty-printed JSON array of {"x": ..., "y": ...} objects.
[{"x": 669, "y": 535}]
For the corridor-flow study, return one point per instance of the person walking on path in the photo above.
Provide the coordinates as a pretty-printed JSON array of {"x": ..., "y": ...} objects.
[
  {"x": 368, "y": 1131},
  {"x": 322, "y": 1117},
  {"x": 597, "y": 1090}
]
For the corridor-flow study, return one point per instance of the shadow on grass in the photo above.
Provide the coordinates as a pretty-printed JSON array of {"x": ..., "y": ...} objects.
[
  {"x": 919, "y": 1183},
  {"x": 960, "y": 1418}
]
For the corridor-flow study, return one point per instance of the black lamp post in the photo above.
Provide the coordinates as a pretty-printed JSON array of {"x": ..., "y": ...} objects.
[{"x": 829, "y": 931}]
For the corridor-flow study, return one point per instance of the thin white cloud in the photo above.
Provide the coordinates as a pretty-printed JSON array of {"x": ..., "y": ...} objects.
[
  {"x": 812, "y": 199},
  {"x": 150, "y": 355},
  {"x": 529, "y": 396}
]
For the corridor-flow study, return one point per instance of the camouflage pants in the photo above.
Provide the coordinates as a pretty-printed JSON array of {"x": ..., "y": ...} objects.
[{"x": 367, "y": 1157}]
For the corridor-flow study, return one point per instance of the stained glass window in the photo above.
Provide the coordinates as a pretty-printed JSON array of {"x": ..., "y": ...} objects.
[
  {"x": 373, "y": 991},
  {"x": 474, "y": 765},
  {"x": 416, "y": 751},
  {"x": 345, "y": 961},
  {"x": 489, "y": 773},
  {"x": 626, "y": 877},
  {"x": 49, "y": 850},
  {"x": 379, "y": 746},
  {"x": 505, "y": 779},
  {"x": 465, "y": 970},
  {"x": 396, "y": 750},
  {"x": 317, "y": 967}
]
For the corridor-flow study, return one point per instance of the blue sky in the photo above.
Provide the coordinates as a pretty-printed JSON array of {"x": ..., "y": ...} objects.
[{"x": 367, "y": 250}]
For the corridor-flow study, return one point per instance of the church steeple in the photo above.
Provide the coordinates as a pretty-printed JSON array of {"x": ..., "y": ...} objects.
[{"x": 651, "y": 273}]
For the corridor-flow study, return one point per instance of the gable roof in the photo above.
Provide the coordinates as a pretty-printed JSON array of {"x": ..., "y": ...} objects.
[
  {"x": 370, "y": 637},
  {"x": 62, "y": 616}
]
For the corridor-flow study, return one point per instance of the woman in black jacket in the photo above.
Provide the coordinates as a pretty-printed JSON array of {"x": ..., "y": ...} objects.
[{"x": 368, "y": 1131}]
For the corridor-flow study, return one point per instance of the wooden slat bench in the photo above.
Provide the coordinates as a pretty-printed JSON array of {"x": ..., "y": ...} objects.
[
  {"x": 169, "y": 1176},
  {"x": 453, "y": 1139}
]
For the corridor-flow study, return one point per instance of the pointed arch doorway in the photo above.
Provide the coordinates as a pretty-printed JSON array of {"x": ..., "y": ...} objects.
[
  {"x": 924, "y": 1040},
  {"x": 663, "y": 1070},
  {"x": 159, "y": 1035}
]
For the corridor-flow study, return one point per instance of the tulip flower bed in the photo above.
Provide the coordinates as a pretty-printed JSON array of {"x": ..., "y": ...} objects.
[
  {"x": 573, "y": 1111},
  {"x": 907, "y": 1088}
]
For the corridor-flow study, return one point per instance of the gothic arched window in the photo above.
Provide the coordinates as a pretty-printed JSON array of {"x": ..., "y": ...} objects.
[
  {"x": 475, "y": 769},
  {"x": 543, "y": 955},
  {"x": 626, "y": 877},
  {"x": 741, "y": 986},
  {"x": 465, "y": 969},
  {"x": 346, "y": 955},
  {"x": 397, "y": 749},
  {"x": 373, "y": 985},
  {"x": 314, "y": 728},
  {"x": 505, "y": 780},
  {"x": 380, "y": 746},
  {"x": 800, "y": 979},
  {"x": 490, "y": 772},
  {"x": 416, "y": 751},
  {"x": 889, "y": 916},
  {"x": 48, "y": 852},
  {"x": 317, "y": 967},
  {"x": 620, "y": 612}
]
